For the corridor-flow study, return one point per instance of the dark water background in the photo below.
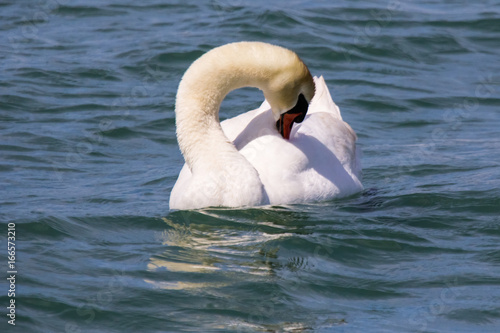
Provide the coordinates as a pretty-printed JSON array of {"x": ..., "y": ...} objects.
[{"x": 88, "y": 157}]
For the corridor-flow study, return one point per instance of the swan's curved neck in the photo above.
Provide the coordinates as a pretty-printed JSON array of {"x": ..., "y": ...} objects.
[{"x": 204, "y": 86}]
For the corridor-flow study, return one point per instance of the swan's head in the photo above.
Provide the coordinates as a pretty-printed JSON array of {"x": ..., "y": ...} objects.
[{"x": 289, "y": 93}]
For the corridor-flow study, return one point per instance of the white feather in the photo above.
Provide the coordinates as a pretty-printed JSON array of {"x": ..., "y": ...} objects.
[{"x": 248, "y": 163}]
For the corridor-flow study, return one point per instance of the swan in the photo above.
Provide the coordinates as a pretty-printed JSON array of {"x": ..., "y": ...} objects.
[{"x": 295, "y": 148}]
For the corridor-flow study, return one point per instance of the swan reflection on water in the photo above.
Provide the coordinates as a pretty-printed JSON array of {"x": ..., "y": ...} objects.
[
  {"x": 212, "y": 249},
  {"x": 249, "y": 262}
]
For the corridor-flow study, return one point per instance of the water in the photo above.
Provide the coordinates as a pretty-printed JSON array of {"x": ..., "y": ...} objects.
[{"x": 89, "y": 156}]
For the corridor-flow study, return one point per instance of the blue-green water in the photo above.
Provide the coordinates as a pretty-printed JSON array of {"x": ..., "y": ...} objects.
[{"x": 89, "y": 156}]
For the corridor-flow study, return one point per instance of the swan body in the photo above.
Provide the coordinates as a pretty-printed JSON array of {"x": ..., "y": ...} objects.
[{"x": 245, "y": 160}]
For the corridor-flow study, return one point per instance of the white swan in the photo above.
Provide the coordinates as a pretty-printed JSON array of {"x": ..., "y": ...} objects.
[{"x": 258, "y": 158}]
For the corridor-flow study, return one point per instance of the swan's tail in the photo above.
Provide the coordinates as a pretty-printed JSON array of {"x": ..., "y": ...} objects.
[{"x": 322, "y": 101}]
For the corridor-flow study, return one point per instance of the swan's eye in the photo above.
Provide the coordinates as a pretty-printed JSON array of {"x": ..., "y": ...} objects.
[{"x": 294, "y": 115}]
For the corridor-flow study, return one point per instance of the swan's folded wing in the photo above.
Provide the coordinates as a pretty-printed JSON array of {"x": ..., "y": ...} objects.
[{"x": 322, "y": 101}]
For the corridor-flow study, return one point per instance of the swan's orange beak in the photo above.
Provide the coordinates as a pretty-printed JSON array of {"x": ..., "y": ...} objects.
[{"x": 295, "y": 115}]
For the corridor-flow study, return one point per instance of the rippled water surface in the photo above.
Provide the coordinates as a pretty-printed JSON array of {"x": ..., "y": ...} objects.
[{"x": 88, "y": 157}]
